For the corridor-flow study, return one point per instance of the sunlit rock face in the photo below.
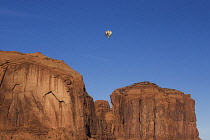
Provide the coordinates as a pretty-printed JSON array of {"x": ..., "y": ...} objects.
[
  {"x": 144, "y": 111},
  {"x": 43, "y": 98},
  {"x": 37, "y": 92}
]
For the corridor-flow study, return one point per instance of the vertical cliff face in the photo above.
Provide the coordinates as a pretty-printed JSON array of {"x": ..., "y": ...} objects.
[
  {"x": 146, "y": 111},
  {"x": 105, "y": 120},
  {"x": 40, "y": 93},
  {"x": 44, "y": 96}
]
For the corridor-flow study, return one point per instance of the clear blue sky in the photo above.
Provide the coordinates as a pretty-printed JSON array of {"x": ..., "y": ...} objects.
[{"x": 162, "y": 41}]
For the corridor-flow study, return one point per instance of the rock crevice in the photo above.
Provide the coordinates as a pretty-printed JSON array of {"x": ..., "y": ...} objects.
[{"x": 2, "y": 77}]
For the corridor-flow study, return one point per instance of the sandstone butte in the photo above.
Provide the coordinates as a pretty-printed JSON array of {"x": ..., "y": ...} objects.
[{"x": 43, "y": 98}]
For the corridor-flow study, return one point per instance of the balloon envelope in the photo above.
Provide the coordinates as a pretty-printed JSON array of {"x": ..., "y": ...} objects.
[{"x": 108, "y": 33}]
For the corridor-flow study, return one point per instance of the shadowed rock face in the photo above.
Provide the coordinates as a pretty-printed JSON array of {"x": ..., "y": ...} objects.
[
  {"x": 105, "y": 124},
  {"x": 43, "y": 98}
]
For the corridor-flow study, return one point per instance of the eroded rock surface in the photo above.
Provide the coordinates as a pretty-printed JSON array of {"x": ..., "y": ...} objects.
[
  {"x": 144, "y": 111},
  {"x": 38, "y": 93},
  {"x": 105, "y": 120},
  {"x": 43, "y": 98}
]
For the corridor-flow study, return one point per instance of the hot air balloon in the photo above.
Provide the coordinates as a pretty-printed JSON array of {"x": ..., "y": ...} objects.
[{"x": 108, "y": 33}]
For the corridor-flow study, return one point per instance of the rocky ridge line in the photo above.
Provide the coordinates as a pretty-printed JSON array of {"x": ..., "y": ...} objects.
[{"x": 43, "y": 98}]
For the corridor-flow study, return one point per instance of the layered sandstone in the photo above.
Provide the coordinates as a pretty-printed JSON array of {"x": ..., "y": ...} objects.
[
  {"x": 38, "y": 93},
  {"x": 144, "y": 111},
  {"x": 105, "y": 120},
  {"x": 43, "y": 98}
]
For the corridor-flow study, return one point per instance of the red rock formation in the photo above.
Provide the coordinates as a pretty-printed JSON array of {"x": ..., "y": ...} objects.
[
  {"x": 38, "y": 93},
  {"x": 43, "y": 98},
  {"x": 105, "y": 124},
  {"x": 144, "y": 111}
]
